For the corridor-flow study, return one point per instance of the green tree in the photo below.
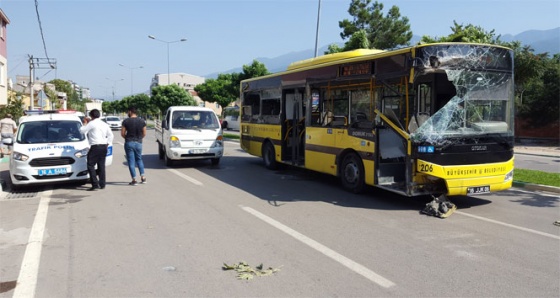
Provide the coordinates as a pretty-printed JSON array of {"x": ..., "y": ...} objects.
[
  {"x": 358, "y": 40},
  {"x": 164, "y": 97},
  {"x": 540, "y": 100},
  {"x": 217, "y": 90},
  {"x": 383, "y": 31},
  {"x": 468, "y": 33},
  {"x": 73, "y": 102},
  {"x": 225, "y": 88},
  {"x": 15, "y": 106},
  {"x": 141, "y": 101}
]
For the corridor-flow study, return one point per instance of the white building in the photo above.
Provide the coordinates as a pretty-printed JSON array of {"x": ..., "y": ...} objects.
[{"x": 4, "y": 21}]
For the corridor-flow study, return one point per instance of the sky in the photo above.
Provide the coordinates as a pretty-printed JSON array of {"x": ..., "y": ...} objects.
[{"x": 91, "y": 38}]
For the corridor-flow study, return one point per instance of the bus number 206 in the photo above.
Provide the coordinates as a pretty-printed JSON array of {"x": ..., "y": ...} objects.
[{"x": 426, "y": 168}]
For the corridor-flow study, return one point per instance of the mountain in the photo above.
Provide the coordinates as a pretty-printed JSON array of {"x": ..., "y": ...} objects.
[{"x": 540, "y": 40}]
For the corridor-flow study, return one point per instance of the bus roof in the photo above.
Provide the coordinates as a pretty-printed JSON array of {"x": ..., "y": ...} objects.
[{"x": 332, "y": 57}]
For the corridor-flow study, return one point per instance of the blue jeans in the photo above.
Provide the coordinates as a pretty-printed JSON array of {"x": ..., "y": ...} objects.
[{"x": 134, "y": 158}]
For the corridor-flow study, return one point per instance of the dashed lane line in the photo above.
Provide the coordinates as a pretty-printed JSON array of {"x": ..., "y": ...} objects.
[
  {"x": 186, "y": 177},
  {"x": 509, "y": 225},
  {"x": 27, "y": 279},
  {"x": 358, "y": 268}
]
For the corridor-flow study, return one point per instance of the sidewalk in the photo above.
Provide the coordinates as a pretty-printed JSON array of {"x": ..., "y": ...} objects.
[{"x": 552, "y": 150}]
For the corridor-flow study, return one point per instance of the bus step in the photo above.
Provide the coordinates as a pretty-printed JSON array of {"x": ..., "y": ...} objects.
[{"x": 386, "y": 180}]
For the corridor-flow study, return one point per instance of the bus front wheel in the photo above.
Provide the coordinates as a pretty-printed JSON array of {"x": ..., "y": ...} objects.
[
  {"x": 352, "y": 173},
  {"x": 269, "y": 156}
]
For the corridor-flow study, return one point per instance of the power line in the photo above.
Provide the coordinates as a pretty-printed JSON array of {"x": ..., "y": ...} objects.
[{"x": 41, "y": 28}]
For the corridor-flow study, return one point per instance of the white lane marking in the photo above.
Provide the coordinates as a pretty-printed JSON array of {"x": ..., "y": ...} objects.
[
  {"x": 190, "y": 179},
  {"x": 509, "y": 225},
  {"x": 360, "y": 269},
  {"x": 27, "y": 279}
]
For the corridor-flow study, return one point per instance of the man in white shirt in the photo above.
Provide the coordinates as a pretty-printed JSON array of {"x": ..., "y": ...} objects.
[{"x": 99, "y": 136}]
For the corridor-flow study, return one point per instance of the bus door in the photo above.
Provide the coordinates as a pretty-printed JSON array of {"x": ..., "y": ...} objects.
[
  {"x": 293, "y": 127},
  {"x": 391, "y": 145}
]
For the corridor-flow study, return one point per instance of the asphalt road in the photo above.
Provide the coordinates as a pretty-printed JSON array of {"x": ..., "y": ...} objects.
[
  {"x": 549, "y": 164},
  {"x": 170, "y": 237}
]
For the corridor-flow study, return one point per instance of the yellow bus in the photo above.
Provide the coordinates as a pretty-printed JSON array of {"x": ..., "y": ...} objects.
[{"x": 432, "y": 119}]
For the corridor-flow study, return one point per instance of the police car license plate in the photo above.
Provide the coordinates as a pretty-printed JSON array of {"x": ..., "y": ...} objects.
[
  {"x": 51, "y": 172},
  {"x": 478, "y": 189}
]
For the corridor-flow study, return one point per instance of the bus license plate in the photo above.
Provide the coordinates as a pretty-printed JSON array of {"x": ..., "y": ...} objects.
[
  {"x": 478, "y": 189},
  {"x": 51, "y": 172}
]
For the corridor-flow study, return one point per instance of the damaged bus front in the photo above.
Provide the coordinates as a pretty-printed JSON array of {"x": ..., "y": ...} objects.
[{"x": 461, "y": 128}]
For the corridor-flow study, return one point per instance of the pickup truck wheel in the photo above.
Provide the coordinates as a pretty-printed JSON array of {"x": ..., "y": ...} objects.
[
  {"x": 168, "y": 161},
  {"x": 161, "y": 152}
]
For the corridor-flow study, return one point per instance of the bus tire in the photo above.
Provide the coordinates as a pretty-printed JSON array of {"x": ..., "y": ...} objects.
[
  {"x": 269, "y": 156},
  {"x": 352, "y": 173}
]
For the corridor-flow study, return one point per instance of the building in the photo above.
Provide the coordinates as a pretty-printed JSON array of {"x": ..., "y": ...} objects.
[
  {"x": 4, "y": 21},
  {"x": 187, "y": 82}
]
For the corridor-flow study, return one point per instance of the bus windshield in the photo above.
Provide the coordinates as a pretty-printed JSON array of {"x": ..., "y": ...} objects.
[{"x": 480, "y": 107}]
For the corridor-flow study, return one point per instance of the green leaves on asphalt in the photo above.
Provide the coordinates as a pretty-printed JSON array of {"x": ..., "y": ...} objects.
[{"x": 246, "y": 272}]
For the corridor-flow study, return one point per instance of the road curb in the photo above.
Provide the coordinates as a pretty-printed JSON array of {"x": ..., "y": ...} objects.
[{"x": 538, "y": 187}]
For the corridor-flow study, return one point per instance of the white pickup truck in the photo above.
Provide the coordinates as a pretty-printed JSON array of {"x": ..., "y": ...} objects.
[{"x": 189, "y": 132}]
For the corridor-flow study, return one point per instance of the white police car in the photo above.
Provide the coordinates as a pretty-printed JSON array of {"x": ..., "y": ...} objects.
[{"x": 49, "y": 148}]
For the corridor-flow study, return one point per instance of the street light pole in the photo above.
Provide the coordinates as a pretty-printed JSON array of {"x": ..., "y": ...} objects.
[
  {"x": 317, "y": 32},
  {"x": 114, "y": 85},
  {"x": 167, "y": 42},
  {"x": 131, "y": 78}
]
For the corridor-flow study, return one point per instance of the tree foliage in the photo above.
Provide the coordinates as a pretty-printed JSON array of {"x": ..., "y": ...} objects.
[
  {"x": 225, "y": 88},
  {"x": 540, "y": 101},
  {"x": 15, "y": 106},
  {"x": 73, "y": 101},
  {"x": 217, "y": 90},
  {"x": 468, "y": 33},
  {"x": 358, "y": 40},
  {"x": 166, "y": 96},
  {"x": 383, "y": 31}
]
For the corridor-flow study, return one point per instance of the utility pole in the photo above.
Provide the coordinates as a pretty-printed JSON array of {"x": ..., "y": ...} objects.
[{"x": 37, "y": 63}]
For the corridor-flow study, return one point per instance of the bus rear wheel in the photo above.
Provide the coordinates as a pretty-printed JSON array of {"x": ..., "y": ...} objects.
[
  {"x": 352, "y": 173},
  {"x": 269, "y": 156}
]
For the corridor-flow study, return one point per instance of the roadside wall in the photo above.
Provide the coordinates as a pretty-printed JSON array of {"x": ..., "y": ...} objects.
[{"x": 524, "y": 130}]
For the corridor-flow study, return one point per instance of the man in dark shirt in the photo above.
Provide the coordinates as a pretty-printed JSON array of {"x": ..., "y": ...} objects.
[{"x": 133, "y": 130}]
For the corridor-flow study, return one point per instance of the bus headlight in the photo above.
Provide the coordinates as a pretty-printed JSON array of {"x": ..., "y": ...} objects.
[
  {"x": 174, "y": 142},
  {"x": 509, "y": 176},
  {"x": 19, "y": 156}
]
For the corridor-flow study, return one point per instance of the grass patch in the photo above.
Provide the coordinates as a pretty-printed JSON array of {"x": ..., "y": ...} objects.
[
  {"x": 536, "y": 177},
  {"x": 231, "y": 136}
]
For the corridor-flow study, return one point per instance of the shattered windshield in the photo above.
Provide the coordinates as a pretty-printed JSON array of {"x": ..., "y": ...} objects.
[{"x": 482, "y": 103}]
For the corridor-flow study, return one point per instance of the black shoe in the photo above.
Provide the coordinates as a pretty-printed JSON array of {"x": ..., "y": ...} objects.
[
  {"x": 93, "y": 188},
  {"x": 102, "y": 187}
]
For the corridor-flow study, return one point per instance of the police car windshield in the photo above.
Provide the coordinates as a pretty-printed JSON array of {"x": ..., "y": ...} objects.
[{"x": 36, "y": 132}]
